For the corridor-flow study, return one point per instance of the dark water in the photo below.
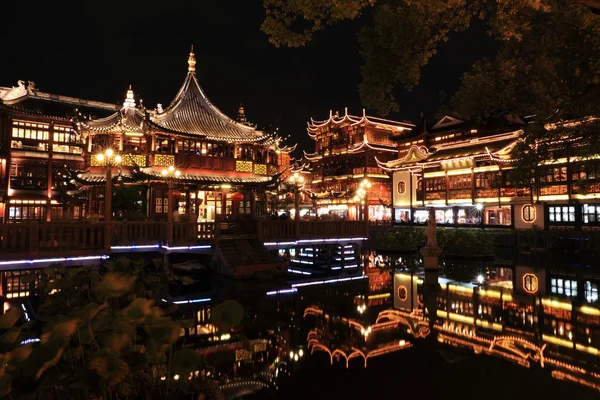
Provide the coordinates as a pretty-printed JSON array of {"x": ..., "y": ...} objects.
[
  {"x": 416, "y": 372},
  {"x": 426, "y": 370}
]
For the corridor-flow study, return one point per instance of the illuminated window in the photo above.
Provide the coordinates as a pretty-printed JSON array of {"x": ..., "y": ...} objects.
[
  {"x": 591, "y": 291},
  {"x": 530, "y": 283},
  {"x": 401, "y": 187},
  {"x": 563, "y": 287},
  {"x": 402, "y": 293},
  {"x": 561, "y": 214},
  {"x": 528, "y": 213}
]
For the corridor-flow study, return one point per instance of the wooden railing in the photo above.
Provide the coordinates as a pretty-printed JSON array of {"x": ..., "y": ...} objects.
[
  {"x": 286, "y": 230},
  {"x": 38, "y": 240}
]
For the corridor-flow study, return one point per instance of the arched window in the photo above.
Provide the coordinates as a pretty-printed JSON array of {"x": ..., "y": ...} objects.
[
  {"x": 402, "y": 293},
  {"x": 530, "y": 283},
  {"x": 401, "y": 187},
  {"x": 528, "y": 213}
]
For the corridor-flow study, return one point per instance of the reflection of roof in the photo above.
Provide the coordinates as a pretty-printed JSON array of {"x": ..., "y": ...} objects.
[{"x": 470, "y": 149}]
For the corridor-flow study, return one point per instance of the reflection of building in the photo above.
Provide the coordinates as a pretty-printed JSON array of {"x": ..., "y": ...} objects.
[
  {"x": 465, "y": 173},
  {"x": 346, "y": 148},
  {"x": 215, "y": 154},
  {"x": 549, "y": 310}
]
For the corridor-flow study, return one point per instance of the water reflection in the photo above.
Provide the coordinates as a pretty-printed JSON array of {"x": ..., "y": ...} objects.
[{"x": 487, "y": 306}]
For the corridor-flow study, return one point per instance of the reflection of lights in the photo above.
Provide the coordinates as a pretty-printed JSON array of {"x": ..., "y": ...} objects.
[
  {"x": 300, "y": 352},
  {"x": 163, "y": 378},
  {"x": 295, "y": 357},
  {"x": 291, "y": 354},
  {"x": 176, "y": 377},
  {"x": 225, "y": 336}
]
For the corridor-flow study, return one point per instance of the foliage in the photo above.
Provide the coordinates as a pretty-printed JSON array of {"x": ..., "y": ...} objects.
[
  {"x": 465, "y": 242},
  {"x": 548, "y": 58},
  {"x": 102, "y": 336},
  {"x": 401, "y": 239}
]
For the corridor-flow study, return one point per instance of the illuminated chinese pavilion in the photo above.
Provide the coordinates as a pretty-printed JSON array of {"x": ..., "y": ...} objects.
[
  {"x": 39, "y": 143},
  {"x": 49, "y": 169},
  {"x": 224, "y": 165},
  {"x": 347, "y": 148}
]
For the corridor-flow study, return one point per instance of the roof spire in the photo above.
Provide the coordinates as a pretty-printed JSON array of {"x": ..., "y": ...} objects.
[
  {"x": 129, "y": 100},
  {"x": 241, "y": 117},
  {"x": 192, "y": 61}
]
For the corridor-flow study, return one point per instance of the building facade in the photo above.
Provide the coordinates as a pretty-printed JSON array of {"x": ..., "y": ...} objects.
[
  {"x": 465, "y": 172},
  {"x": 50, "y": 166},
  {"x": 347, "y": 150}
]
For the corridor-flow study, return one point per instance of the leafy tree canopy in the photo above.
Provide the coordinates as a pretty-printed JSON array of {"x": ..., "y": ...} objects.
[{"x": 548, "y": 61}]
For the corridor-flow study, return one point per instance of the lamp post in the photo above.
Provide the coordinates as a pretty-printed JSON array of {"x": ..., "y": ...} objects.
[
  {"x": 109, "y": 160},
  {"x": 361, "y": 197},
  {"x": 297, "y": 182},
  {"x": 170, "y": 174}
]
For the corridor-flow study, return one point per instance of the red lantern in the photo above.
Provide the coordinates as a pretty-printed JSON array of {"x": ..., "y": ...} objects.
[
  {"x": 176, "y": 194},
  {"x": 237, "y": 196}
]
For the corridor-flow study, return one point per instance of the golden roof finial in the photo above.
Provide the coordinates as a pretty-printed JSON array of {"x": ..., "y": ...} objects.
[{"x": 192, "y": 61}]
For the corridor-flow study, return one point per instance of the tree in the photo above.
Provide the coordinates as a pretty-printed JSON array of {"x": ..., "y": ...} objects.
[
  {"x": 535, "y": 37},
  {"x": 101, "y": 335}
]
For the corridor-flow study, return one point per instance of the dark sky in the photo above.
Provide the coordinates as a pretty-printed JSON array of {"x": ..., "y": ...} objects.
[{"x": 94, "y": 50}]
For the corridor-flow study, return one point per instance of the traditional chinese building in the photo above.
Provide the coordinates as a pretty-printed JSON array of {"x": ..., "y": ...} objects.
[
  {"x": 39, "y": 142},
  {"x": 346, "y": 152},
  {"x": 223, "y": 165},
  {"x": 464, "y": 171}
]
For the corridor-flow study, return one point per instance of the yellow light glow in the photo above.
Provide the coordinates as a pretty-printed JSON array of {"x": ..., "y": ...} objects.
[
  {"x": 109, "y": 153},
  {"x": 164, "y": 172},
  {"x": 171, "y": 168},
  {"x": 100, "y": 157},
  {"x": 118, "y": 159},
  {"x": 589, "y": 310},
  {"x": 557, "y": 304},
  {"x": 177, "y": 173}
]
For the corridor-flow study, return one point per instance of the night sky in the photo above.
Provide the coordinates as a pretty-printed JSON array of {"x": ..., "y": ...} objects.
[{"x": 94, "y": 52}]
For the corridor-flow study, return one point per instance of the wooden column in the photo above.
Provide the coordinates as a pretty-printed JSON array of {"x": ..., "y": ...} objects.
[
  {"x": 108, "y": 209},
  {"x": 170, "y": 211},
  {"x": 50, "y": 172}
]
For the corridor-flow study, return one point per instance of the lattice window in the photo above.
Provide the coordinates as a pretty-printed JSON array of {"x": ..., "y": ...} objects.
[{"x": 243, "y": 166}]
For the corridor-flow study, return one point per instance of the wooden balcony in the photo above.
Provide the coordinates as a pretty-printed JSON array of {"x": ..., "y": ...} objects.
[{"x": 32, "y": 241}]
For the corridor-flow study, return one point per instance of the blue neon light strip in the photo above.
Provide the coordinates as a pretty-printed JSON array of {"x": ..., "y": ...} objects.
[
  {"x": 282, "y": 291},
  {"x": 296, "y": 285},
  {"x": 192, "y": 301},
  {"x": 57, "y": 259},
  {"x": 297, "y": 271},
  {"x": 313, "y": 241}
]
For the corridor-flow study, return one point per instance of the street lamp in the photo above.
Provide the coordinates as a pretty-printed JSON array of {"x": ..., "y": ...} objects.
[
  {"x": 297, "y": 182},
  {"x": 170, "y": 174},
  {"x": 361, "y": 197},
  {"x": 109, "y": 160}
]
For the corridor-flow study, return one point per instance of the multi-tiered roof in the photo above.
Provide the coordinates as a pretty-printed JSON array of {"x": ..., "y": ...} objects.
[{"x": 190, "y": 114}]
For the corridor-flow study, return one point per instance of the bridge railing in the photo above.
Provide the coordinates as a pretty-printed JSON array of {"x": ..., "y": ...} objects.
[{"x": 285, "y": 230}]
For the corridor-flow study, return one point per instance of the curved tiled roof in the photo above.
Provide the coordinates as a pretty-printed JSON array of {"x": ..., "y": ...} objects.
[
  {"x": 192, "y": 113},
  {"x": 128, "y": 119}
]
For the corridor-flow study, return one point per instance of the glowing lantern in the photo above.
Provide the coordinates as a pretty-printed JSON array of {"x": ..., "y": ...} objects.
[
  {"x": 176, "y": 194},
  {"x": 237, "y": 196}
]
